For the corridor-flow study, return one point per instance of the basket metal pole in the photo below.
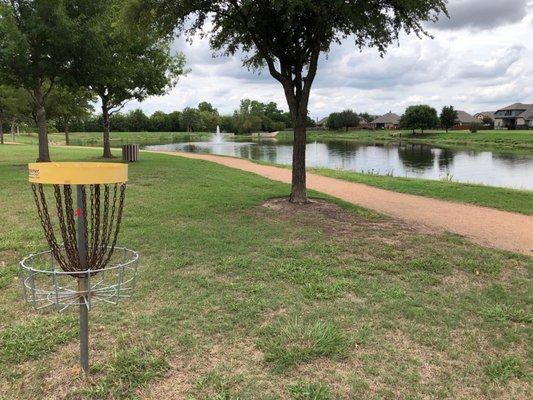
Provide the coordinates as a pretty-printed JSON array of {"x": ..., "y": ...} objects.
[{"x": 83, "y": 285}]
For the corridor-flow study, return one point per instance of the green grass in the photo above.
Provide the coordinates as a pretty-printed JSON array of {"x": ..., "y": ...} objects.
[
  {"x": 520, "y": 201},
  {"x": 239, "y": 301},
  {"x": 117, "y": 139},
  {"x": 294, "y": 342},
  {"x": 494, "y": 139},
  {"x": 310, "y": 391}
]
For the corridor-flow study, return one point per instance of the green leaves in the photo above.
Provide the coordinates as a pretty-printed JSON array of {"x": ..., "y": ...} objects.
[{"x": 419, "y": 117}]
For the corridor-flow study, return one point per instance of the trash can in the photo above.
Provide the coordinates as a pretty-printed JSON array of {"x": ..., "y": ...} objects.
[{"x": 130, "y": 152}]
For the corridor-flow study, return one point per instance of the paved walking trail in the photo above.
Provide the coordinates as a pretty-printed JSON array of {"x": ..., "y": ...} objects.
[{"x": 485, "y": 226}]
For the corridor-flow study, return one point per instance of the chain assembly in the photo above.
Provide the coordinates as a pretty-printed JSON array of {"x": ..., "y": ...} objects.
[{"x": 101, "y": 218}]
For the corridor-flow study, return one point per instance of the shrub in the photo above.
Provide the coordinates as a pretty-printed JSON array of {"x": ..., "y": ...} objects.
[{"x": 474, "y": 127}]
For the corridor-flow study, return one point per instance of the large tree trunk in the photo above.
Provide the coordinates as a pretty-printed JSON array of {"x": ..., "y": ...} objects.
[
  {"x": 299, "y": 188},
  {"x": 1, "y": 131},
  {"x": 106, "y": 143},
  {"x": 40, "y": 119},
  {"x": 298, "y": 109}
]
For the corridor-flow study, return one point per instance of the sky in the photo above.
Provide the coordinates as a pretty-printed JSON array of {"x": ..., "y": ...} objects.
[{"x": 480, "y": 59}]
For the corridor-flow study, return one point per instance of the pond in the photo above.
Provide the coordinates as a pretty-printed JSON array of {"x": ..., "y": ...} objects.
[{"x": 512, "y": 170}]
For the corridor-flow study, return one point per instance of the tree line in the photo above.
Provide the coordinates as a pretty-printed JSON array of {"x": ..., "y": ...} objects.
[
  {"x": 415, "y": 117},
  {"x": 73, "y": 112}
]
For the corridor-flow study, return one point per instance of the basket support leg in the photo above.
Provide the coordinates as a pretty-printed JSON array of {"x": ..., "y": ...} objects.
[{"x": 83, "y": 286}]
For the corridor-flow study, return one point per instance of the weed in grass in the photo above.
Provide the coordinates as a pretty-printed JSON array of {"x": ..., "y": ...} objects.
[
  {"x": 392, "y": 293},
  {"x": 216, "y": 386},
  {"x": 323, "y": 290},
  {"x": 7, "y": 274},
  {"x": 310, "y": 391},
  {"x": 503, "y": 370},
  {"x": 34, "y": 339},
  {"x": 296, "y": 341},
  {"x": 430, "y": 263},
  {"x": 358, "y": 387},
  {"x": 130, "y": 369},
  {"x": 506, "y": 313}
]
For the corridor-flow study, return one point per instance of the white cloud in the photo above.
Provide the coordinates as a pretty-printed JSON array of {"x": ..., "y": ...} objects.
[{"x": 482, "y": 14}]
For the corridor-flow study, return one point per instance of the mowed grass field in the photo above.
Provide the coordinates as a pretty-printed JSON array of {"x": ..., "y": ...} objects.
[
  {"x": 243, "y": 297},
  {"x": 490, "y": 139},
  {"x": 117, "y": 139}
]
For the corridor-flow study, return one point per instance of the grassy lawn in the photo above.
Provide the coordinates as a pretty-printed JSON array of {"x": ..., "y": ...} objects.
[
  {"x": 117, "y": 138},
  {"x": 497, "y": 139},
  {"x": 520, "y": 201},
  {"x": 238, "y": 300}
]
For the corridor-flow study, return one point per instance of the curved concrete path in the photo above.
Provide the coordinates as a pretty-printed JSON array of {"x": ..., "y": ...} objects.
[{"x": 485, "y": 226}]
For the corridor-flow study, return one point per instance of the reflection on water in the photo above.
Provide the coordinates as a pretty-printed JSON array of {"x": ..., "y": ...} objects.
[{"x": 411, "y": 160}]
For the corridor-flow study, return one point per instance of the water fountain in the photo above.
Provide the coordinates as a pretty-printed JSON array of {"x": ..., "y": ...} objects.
[{"x": 218, "y": 137}]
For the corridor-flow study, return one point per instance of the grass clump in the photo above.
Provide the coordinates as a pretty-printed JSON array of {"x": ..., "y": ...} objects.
[
  {"x": 310, "y": 391},
  {"x": 36, "y": 338},
  {"x": 503, "y": 313},
  {"x": 130, "y": 369},
  {"x": 502, "y": 371},
  {"x": 297, "y": 341}
]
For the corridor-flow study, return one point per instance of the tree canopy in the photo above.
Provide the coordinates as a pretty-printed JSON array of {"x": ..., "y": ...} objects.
[
  {"x": 65, "y": 104},
  {"x": 124, "y": 61},
  {"x": 448, "y": 116},
  {"x": 287, "y": 37},
  {"x": 39, "y": 43},
  {"x": 419, "y": 117},
  {"x": 15, "y": 103},
  {"x": 343, "y": 120}
]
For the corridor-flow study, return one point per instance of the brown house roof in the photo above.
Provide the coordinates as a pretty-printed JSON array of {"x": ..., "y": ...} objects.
[
  {"x": 516, "y": 106},
  {"x": 464, "y": 118},
  {"x": 527, "y": 112},
  {"x": 389, "y": 118}
]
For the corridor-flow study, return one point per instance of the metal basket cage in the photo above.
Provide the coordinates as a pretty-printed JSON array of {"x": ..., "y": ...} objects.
[{"x": 46, "y": 285}]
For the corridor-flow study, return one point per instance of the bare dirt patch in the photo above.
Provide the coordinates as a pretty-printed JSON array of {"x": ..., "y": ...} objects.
[{"x": 339, "y": 222}]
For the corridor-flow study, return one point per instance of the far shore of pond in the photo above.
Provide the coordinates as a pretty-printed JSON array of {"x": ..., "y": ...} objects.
[{"x": 496, "y": 140}]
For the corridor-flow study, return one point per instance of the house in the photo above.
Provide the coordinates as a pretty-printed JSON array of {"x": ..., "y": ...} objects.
[
  {"x": 515, "y": 116},
  {"x": 386, "y": 121},
  {"x": 485, "y": 114},
  {"x": 464, "y": 120},
  {"x": 322, "y": 123}
]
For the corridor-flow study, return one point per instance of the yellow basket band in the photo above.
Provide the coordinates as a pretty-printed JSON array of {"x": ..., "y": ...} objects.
[{"x": 77, "y": 173}]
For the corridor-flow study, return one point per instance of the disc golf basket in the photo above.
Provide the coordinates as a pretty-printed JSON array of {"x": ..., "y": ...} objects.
[{"x": 83, "y": 266}]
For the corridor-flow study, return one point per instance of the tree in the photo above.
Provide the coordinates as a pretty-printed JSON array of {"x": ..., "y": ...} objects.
[
  {"x": 160, "y": 122},
  {"x": 448, "y": 116},
  {"x": 123, "y": 62},
  {"x": 343, "y": 120},
  {"x": 64, "y": 104},
  {"x": 137, "y": 121},
  {"x": 190, "y": 119},
  {"x": 488, "y": 121},
  {"x": 419, "y": 117},
  {"x": 204, "y": 106},
  {"x": 288, "y": 37},
  {"x": 39, "y": 39},
  {"x": 14, "y": 103},
  {"x": 367, "y": 117}
]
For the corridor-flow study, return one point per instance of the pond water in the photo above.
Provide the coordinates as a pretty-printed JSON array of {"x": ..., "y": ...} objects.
[{"x": 513, "y": 170}]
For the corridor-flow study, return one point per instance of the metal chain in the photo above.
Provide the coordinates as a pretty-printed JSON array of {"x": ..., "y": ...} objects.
[{"x": 102, "y": 224}]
